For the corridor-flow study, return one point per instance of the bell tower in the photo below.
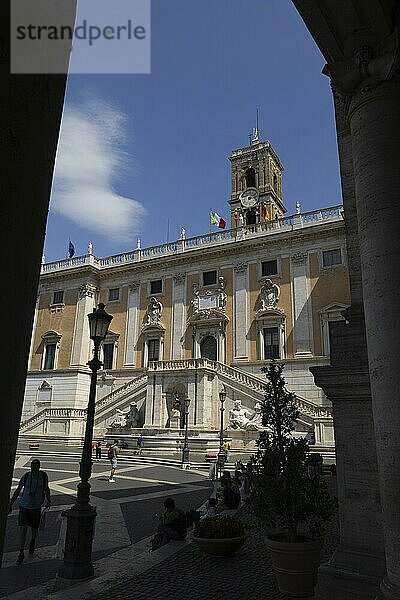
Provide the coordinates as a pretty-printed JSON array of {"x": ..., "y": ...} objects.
[{"x": 256, "y": 183}]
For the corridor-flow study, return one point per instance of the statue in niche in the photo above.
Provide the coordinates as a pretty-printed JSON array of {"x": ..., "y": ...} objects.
[
  {"x": 238, "y": 418},
  {"x": 175, "y": 416},
  {"x": 269, "y": 295},
  {"x": 154, "y": 310}
]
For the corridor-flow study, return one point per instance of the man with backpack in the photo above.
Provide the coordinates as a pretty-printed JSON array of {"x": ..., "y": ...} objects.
[
  {"x": 35, "y": 486},
  {"x": 113, "y": 452}
]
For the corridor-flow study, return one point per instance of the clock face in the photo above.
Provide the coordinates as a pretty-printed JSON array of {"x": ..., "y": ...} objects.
[{"x": 249, "y": 197}]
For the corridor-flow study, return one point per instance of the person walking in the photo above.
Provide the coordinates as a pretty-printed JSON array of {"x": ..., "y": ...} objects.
[
  {"x": 98, "y": 450},
  {"x": 35, "y": 489},
  {"x": 113, "y": 452},
  {"x": 140, "y": 443}
]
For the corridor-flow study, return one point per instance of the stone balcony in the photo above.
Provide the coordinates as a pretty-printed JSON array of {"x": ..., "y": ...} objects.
[{"x": 218, "y": 238}]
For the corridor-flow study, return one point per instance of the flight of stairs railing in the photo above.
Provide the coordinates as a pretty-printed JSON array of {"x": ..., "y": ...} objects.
[{"x": 227, "y": 374}]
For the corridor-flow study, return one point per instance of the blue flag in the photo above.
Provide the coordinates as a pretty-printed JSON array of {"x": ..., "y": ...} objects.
[{"x": 71, "y": 249}]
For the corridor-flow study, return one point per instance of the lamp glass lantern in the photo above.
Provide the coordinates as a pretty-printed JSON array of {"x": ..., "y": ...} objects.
[{"x": 99, "y": 322}]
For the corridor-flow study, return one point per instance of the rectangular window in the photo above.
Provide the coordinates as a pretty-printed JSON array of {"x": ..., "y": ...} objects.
[
  {"x": 271, "y": 342},
  {"x": 269, "y": 267},
  {"x": 209, "y": 277},
  {"x": 156, "y": 286},
  {"x": 154, "y": 349},
  {"x": 331, "y": 257},
  {"x": 58, "y": 297},
  {"x": 49, "y": 357},
  {"x": 108, "y": 356},
  {"x": 113, "y": 294}
]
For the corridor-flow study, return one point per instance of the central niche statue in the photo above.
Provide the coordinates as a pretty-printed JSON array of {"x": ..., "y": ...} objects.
[
  {"x": 237, "y": 416},
  {"x": 175, "y": 416},
  {"x": 132, "y": 416}
]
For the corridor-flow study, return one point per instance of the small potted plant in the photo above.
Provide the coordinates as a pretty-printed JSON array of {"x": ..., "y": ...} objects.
[
  {"x": 288, "y": 495},
  {"x": 220, "y": 536}
]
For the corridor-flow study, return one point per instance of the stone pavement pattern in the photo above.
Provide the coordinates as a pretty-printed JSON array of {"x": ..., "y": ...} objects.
[
  {"x": 126, "y": 518},
  {"x": 190, "y": 573}
]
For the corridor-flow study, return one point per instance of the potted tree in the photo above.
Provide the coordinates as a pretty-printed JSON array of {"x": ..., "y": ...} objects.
[
  {"x": 288, "y": 496},
  {"x": 220, "y": 536}
]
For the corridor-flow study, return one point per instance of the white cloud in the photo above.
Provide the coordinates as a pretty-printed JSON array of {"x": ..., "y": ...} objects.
[{"x": 89, "y": 156}]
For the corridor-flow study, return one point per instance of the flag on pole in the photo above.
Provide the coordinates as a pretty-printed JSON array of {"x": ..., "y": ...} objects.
[
  {"x": 71, "y": 249},
  {"x": 264, "y": 212},
  {"x": 215, "y": 219}
]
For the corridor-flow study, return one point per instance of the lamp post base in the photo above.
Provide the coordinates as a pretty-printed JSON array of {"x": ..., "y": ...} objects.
[
  {"x": 221, "y": 459},
  {"x": 77, "y": 562},
  {"x": 185, "y": 456}
]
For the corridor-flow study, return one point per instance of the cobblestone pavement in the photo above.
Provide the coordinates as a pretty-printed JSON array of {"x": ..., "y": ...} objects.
[
  {"x": 126, "y": 517},
  {"x": 192, "y": 574}
]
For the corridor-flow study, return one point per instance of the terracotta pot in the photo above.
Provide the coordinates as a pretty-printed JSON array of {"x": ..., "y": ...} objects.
[
  {"x": 295, "y": 565},
  {"x": 221, "y": 546}
]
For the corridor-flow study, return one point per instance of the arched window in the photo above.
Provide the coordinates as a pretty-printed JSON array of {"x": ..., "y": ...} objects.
[
  {"x": 275, "y": 180},
  {"x": 208, "y": 348},
  {"x": 250, "y": 176}
]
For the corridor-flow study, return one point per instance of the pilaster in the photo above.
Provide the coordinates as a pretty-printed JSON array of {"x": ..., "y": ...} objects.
[
  {"x": 131, "y": 324},
  {"x": 81, "y": 341},
  {"x": 241, "y": 310},
  {"x": 302, "y": 330},
  {"x": 178, "y": 315}
]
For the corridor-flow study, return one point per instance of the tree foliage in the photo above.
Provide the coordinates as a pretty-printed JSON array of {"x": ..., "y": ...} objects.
[{"x": 287, "y": 495}]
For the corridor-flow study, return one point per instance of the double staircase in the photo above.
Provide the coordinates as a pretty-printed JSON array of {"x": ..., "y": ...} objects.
[{"x": 248, "y": 387}]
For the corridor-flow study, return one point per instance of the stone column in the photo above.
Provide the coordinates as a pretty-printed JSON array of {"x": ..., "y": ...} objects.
[
  {"x": 374, "y": 118},
  {"x": 358, "y": 564},
  {"x": 241, "y": 311},
  {"x": 131, "y": 324},
  {"x": 302, "y": 330},
  {"x": 81, "y": 341},
  {"x": 178, "y": 316}
]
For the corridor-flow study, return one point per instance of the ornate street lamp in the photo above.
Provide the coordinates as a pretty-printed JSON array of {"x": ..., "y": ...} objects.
[
  {"x": 80, "y": 518},
  {"x": 221, "y": 453},
  {"x": 185, "y": 450}
]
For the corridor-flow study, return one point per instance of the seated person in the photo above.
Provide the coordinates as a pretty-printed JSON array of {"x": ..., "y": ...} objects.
[
  {"x": 229, "y": 496},
  {"x": 173, "y": 521},
  {"x": 211, "y": 509}
]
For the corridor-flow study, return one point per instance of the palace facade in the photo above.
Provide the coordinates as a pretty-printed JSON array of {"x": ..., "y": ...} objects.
[{"x": 195, "y": 314}]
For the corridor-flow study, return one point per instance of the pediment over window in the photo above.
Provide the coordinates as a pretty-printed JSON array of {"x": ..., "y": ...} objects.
[
  {"x": 153, "y": 328},
  {"x": 209, "y": 316},
  {"x": 111, "y": 337},
  {"x": 273, "y": 314},
  {"x": 51, "y": 337},
  {"x": 333, "y": 311}
]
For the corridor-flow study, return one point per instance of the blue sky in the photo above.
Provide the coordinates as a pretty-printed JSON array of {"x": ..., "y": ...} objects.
[{"x": 139, "y": 150}]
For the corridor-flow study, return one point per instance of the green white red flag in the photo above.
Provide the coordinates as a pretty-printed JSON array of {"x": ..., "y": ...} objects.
[{"x": 215, "y": 219}]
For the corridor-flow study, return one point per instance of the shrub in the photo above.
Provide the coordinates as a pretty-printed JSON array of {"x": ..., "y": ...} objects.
[
  {"x": 219, "y": 527},
  {"x": 288, "y": 496}
]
